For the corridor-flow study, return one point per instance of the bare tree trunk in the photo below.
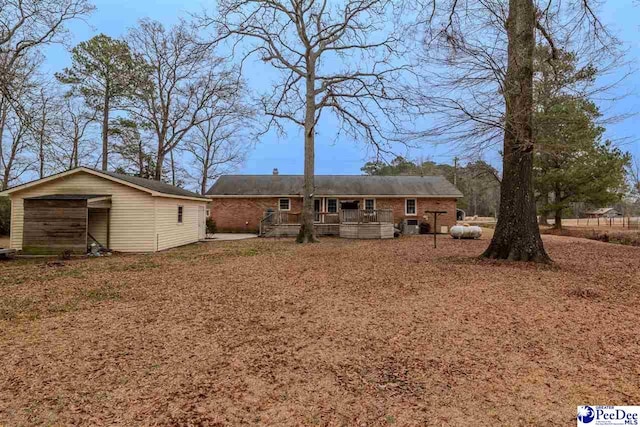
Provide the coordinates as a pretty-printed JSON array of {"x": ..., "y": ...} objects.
[
  {"x": 173, "y": 169},
  {"x": 517, "y": 236},
  {"x": 205, "y": 172},
  {"x": 41, "y": 143},
  {"x": 105, "y": 133},
  {"x": 140, "y": 160},
  {"x": 75, "y": 156},
  {"x": 159, "y": 162},
  {"x": 307, "y": 233}
]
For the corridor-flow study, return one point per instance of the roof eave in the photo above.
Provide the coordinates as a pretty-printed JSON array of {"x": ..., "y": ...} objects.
[{"x": 424, "y": 196}]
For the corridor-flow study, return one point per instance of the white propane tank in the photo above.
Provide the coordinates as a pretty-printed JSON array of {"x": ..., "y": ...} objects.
[{"x": 465, "y": 232}]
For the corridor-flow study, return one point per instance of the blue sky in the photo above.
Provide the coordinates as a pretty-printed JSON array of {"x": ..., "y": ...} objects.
[{"x": 113, "y": 17}]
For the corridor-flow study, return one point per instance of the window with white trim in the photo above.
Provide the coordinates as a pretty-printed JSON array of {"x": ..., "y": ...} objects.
[
  {"x": 180, "y": 214},
  {"x": 332, "y": 205},
  {"x": 369, "y": 204},
  {"x": 410, "y": 207},
  {"x": 284, "y": 204}
]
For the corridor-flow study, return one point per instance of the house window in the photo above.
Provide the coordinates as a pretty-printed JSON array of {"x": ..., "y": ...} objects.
[
  {"x": 369, "y": 204},
  {"x": 410, "y": 207},
  {"x": 332, "y": 205},
  {"x": 285, "y": 204},
  {"x": 180, "y": 214}
]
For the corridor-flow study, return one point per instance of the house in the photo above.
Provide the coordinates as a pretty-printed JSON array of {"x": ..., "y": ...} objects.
[
  {"x": 72, "y": 209},
  {"x": 603, "y": 213},
  {"x": 245, "y": 203}
]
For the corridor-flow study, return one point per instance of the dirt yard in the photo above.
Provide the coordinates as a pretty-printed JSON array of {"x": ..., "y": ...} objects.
[
  {"x": 4, "y": 241},
  {"x": 340, "y": 333}
]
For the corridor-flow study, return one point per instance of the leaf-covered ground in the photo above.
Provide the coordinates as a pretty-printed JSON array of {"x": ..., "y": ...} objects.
[{"x": 338, "y": 333}]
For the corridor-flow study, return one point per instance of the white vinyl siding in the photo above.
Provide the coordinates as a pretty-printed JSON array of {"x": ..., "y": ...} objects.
[
  {"x": 169, "y": 232},
  {"x": 98, "y": 226},
  {"x": 139, "y": 222},
  {"x": 132, "y": 211}
]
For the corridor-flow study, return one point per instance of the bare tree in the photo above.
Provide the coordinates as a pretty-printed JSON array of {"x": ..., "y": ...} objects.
[
  {"x": 15, "y": 123},
  {"x": 490, "y": 48},
  {"x": 218, "y": 146},
  {"x": 73, "y": 144},
  {"x": 43, "y": 118},
  {"x": 344, "y": 57},
  {"x": 13, "y": 144},
  {"x": 26, "y": 25},
  {"x": 183, "y": 78}
]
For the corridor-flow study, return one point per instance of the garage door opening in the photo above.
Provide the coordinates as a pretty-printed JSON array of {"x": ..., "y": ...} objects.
[{"x": 58, "y": 223}]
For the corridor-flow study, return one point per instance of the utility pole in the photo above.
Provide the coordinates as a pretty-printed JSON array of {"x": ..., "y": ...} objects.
[{"x": 455, "y": 171}]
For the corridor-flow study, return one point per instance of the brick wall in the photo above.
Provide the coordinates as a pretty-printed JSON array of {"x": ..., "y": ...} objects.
[
  {"x": 242, "y": 215},
  {"x": 397, "y": 205}
]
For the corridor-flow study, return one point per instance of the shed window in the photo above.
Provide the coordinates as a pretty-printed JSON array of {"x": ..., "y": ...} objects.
[
  {"x": 369, "y": 204},
  {"x": 285, "y": 204},
  {"x": 180, "y": 214},
  {"x": 332, "y": 205},
  {"x": 410, "y": 206}
]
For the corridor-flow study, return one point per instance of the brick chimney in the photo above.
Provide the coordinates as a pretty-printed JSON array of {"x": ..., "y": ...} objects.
[{"x": 275, "y": 171}]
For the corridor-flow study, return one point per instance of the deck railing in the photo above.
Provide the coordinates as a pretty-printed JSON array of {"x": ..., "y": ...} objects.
[
  {"x": 351, "y": 216},
  {"x": 355, "y": 216},
  {"x": 326, "y": 217}
]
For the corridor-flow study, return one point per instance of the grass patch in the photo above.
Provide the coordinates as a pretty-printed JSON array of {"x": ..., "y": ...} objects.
[
  {"x": 103, "y": 293},
  {"x": 12, "y": 308}
]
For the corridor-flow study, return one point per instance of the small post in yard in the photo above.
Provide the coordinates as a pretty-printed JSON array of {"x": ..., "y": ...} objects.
[{"x": 435, "y": 225}]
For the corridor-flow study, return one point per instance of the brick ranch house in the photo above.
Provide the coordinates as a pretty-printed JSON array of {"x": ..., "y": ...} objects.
[{"x": 240, "y": 202}]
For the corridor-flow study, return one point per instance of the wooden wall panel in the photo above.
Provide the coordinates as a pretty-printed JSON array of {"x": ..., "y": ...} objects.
[{"x": 52, "y": 226}]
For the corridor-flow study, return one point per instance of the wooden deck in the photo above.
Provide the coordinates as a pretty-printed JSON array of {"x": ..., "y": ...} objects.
[{"x": 349, "y": 224}]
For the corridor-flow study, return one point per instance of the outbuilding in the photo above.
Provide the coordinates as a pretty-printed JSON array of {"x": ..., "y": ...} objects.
[{"x": 70, "y": 210}]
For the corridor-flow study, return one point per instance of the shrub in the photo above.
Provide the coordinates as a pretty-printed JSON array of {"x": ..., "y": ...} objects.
[
  {"x": 211, "y": 226},
  {"x": 5, "y": 216}
]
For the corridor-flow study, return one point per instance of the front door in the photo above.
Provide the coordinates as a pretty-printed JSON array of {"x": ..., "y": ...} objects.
[{"x": 317, "y": 208}]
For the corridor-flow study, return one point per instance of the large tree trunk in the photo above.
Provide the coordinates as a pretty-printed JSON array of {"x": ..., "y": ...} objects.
[
  {"x": 307, "y": 233},
  {"x": 517, "y": 236},
  {"x": 105, "y": 134}
]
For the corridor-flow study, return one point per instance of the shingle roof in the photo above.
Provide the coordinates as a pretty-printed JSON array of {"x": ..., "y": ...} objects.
[
  {"x": 601, "y": 211},
  {"x": 152, "y": 185},
  {"x": 333, "y": 185}
]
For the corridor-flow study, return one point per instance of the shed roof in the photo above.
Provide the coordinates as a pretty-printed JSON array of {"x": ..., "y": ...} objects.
[
  {"x": 334, "y": 185},
  {"x": 601, "y": 211},
  {"x": 156, "y": 188}
]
